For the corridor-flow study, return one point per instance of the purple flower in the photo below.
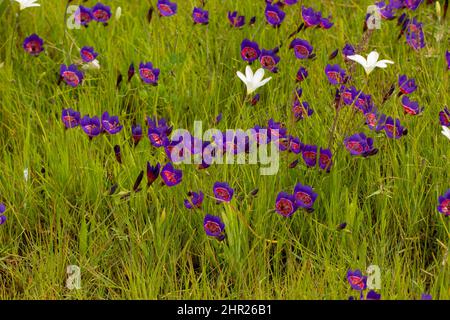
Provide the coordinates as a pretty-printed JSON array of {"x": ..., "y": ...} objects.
[
  {"x": 302, "y": 74},
  {"x": 290, "y": 2},
  {"x": 276, "y": 130},
  {"x": 152, "y": 173},
  {"x": 249, "y": 50},
  {"x": 223, "y": 192},
  {"x": 214, "y": 227},
  {"x": 111, "y": 123},
  {"x": 304, "y": 196},
  {"x": 70, "y": 118},
  {"x": 285, "y": 204},
  {"x": 364, "y": 102},
  {"x": 236, "y": 20},
  {"x": 200, "y": 16},
  {"x": 444, "y": 117},
  {"x": 309, "y": 155},
  {"x": 386, "y": 11},
  {"x": 170, "y": 175},
  {"x": 349, "y": 95},
  {"x": 101, "y": 13},
  {"x": 411, "y": 107},
  {"x": 301, "y": 110},
  {"x": 412, "y": 4},
  {"x": 255, "y": 99},
  {"x": 414, "y": 35},
  {"x": 33, "y": 45},
  {"x": 136, "y": 133},
  {"x": 218, "y": 118},
  {"x": 375, "y": 121},
  {"x": 195, "y": 200},
  {"x": 166, "y": 8},
  {"x": 426, "y": 296},
  {"x": 356, "y": 280},
  {"x": 302, "y": 48},
  {"x": 260, "y": 135},
  {"x": 444, "y": 204},
  {"x": 335, "y": 74},
  {"x": 325, "y": 23},
  {"x": 311, "y": 17},
  {"x": 360, "y": 145},
  {"x": 348, "y": 50},
  {"x": 71, "y": 75},
  {"x": 294, "y": 145},
  {"x": 2, "y": 211},
  {"x": 83, "y": 16},
  {"x": 91, "y": 126},
  {"x": 274, "y": 15},
  {"x": 269, "y": 59},
  {"x": 394, "y": 129},
  {"x": 373, "y": 295},
  {"x": 148, "y": 74},
  {"x": 406, "y": 85},
  {"x": 325, "y": 159},
  {"x": 88, "y": 54},
  {"x": 158, "y": 137}
]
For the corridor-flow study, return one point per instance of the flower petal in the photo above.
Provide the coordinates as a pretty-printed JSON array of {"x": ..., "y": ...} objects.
[
  {"x": 357, "y": 58},
  {"x": 242, "y": 77},
  {"x": 259, "y": 74},
  {"x": 372, "y": 58},
  {"x": 248, "y": 73}
]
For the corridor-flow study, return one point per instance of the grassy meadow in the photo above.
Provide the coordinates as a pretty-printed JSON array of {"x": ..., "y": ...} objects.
[{"x": 148, "y": 245}]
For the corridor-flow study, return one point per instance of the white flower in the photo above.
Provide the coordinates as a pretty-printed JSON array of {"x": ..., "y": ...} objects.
[
  {"x": 253, "y": 81},
  {"x": 446, "y": 131},
  {"x": 25, "y": 174},
  {"x": 27, "y": 4},
  {"x": 118, "y": 13},
  {"x": 93, "y": 65},
  {"x": 372, "y": 61}
]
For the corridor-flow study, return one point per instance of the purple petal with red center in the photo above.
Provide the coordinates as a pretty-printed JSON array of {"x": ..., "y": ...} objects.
[
  {"x": 295, "y": 145},
  {"x": 309, "y": 155},
  {"x": 325, "y": 159},
  {"x": 411, "y": 107},
  {"x": 414, "y": 35},
  {"x": 236, "y": 20},
  {"x": 83, "y": 16},
  {"x": 214, "y": 226},
  {"x": 406, "y": 85},
  {"x": 412, "y": 4},
  {"x": 394, "y": 129},
  {"x": 304, "y": 196},
  {"x": 311, "y": 17},
  {"x": 386, "y": 11},
  {"x": 269, "y": 59},
  {"x": 88, "y": 54},
  {"x": 33, "y": 44},
  {"x": 71, "y": 75},
  {"x": 223, "y": 192},
  {"x": 356, "y": 280},
  {"x": 111, "y": 124},
  {"x": 349, "y": 95},
  {"x": 274, "y": 15},
  {"x": 91, "y": 126},
  {"x": 101, "y": 13},
  {"x": 360, "y": 145},
  {"x": 250, "y": 50},
  {"x": 285, "y": 204},
  {"x": 170, "y": 175},
  {"x": 148, "y": 74},
  {"x": 325, "y": 23},
  {"x": 70, "y": 118},
  {"x": 444, "y": 203},
  {"x": 302, "y": 48},
  {"x": 200, "y": 16},
  {"x": 301, "y": 110},
  {"x": 166, "y": 8},
  {"x": 158, "y": 137},
  {"x": 335, "y": 74}
]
